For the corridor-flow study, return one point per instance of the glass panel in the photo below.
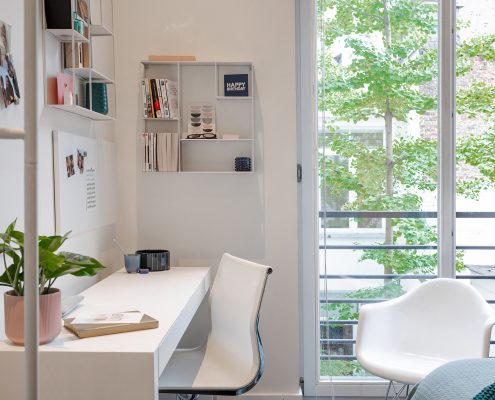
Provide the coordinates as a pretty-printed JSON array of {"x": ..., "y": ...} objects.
[
  {"x": 475, "y": 142},
  {"x": 377, "y": 127}
]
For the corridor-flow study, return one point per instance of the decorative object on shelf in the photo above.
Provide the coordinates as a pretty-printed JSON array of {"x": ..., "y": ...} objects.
[
  {"x": 60, "y": 15},
  {"x": 202, "y": 136},
  {"x": 78, "y": 24},
  {"x": 201, "y": 121},
  {"x": 236, "y": 85},
  {"x": 99, "y": 97},
  {"x": 51, "y": 267},
  {"x": 9, "y": 85},
  {"x": 65, "y": 88},
  {"x": 75, "y": 55},
  {"x": 82, "y": 10},
  {"x": 155, "y": 260},
  {"x": 242, "y": 164}
]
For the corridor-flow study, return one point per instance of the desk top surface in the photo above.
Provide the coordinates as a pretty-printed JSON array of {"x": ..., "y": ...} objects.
[{"x": 162, "y": 295}]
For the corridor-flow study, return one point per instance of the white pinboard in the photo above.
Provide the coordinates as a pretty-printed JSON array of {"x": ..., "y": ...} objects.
[{"x": 84, "y": 173}]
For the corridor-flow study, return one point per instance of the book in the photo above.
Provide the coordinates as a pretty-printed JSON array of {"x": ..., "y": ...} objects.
[
  {"x": 172, "y": 96},
  {"x": 151, "y": 110},
  {"x": 93, "y": 329},
  {"x": 143, "y": 95},
  {"x": 236, "y": 85},
  {"x": 157, "y": 57},
  {"x": 161, "y": 152},
  {"x": 166, "y": 109},
  {"x": 160, "y": 97},
  {"x": 155, "y": 99}
]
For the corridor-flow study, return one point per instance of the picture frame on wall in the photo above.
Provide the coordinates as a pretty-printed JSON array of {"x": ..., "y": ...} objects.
[{"x": 9, "y": 84}]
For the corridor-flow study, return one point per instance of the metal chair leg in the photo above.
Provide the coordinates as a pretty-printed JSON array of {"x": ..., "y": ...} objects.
[
  {"x": 396, "y": 394},
  {"x": 187, "y": 396}
]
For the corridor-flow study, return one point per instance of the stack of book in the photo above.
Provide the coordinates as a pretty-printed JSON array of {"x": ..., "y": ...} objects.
[
  {"x": 161, "y": 152},
  {"x": 159, "y": 98}
]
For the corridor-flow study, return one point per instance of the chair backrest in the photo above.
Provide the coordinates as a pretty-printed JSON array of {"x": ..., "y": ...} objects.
[
  {"x": 443, "y": 318},
  {"x": 235, "y": 302}
]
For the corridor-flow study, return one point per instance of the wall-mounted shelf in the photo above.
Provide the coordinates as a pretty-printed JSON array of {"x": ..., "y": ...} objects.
[
  {"x": 67, "y": 35},
  {"x": 72, "y": 29},
  {"x": 216, "y": 140},
  {"x": 87, "y": 73},
  {"x": 201, "y": 82},
  {"x": 82, "y": 112}
]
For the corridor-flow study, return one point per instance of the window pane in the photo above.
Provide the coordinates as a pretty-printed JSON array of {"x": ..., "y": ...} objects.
[
  {"x": 476, "y": 142},
  {"x": 377, "y": 126}
]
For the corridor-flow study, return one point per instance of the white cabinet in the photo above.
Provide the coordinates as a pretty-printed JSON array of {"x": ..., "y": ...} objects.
[{"x": 202, "y": 83}]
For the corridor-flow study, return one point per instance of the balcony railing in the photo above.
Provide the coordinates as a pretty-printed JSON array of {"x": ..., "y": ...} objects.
[{"x": 326, "y": 342}]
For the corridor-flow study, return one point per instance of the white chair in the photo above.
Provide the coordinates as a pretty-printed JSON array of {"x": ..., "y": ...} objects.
[
  {"x": 231, "y": 361},
  {"x": 404, "y": 339}
]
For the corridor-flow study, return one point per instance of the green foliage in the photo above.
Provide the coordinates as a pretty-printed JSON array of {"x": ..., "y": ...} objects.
[
  {"x": 392, "y": 70},
  {"x": 342, "y": 368},
  {"x": 51, "y": 265}
]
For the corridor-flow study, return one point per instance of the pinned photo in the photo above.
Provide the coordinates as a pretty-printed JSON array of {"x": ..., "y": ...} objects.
[
  {"x": 69, "y": 163},
  {"x": 9, "y": 85},
  {"x": 81, "y": 154}
]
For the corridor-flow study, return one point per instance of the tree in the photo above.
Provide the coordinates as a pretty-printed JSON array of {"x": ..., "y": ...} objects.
[{"x": 393, "y": 59}]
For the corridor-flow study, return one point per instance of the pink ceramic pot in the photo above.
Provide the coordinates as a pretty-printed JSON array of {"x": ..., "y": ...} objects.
[{"x": 50, "y": 316}]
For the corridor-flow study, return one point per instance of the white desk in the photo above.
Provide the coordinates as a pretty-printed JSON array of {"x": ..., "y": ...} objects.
[{"x": 124, "y": 366}]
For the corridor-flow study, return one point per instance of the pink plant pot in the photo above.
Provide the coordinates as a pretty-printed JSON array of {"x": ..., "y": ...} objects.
[{"x": 50, "y": 316}]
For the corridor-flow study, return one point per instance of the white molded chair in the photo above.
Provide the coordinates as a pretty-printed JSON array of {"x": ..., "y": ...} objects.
[
  {"x": 404, "y": 339},
  {"x": 231, "y": 361}
]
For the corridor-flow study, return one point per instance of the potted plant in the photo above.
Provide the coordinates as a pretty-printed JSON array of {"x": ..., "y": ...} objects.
[{"x": 51, "y": 267}]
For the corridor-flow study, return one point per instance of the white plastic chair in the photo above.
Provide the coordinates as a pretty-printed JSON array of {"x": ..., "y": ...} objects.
[
  {"x": 231, "y": 361},
  {"x": 404, "y": 339}
]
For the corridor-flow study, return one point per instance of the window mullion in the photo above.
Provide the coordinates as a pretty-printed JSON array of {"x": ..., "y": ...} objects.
[{"x": 447, "y": 133}]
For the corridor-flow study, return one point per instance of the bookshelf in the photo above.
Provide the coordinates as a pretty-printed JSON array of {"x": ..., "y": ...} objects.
[
  {"x": 78, "y": 56},
  {"x": 202, "y": 83}
]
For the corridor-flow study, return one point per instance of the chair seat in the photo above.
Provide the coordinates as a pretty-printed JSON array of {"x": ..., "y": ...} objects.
[
  {"x": 400, "y": 367},
  {"x": 204, "y": 371}
]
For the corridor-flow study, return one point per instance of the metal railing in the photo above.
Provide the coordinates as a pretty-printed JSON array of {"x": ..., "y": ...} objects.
[{"x": 326, "y": 342}]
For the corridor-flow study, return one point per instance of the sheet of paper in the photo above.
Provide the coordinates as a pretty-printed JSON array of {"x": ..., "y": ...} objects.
[{"x": 109, "y": 318}]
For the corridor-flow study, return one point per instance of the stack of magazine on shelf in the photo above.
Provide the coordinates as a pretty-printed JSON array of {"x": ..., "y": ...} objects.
[
  {"x": 161, "y": 152},
  {"x": 159, "y": 98}
]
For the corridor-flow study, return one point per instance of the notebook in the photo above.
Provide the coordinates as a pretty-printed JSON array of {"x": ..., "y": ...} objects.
[{"x": 91, "y": 330}]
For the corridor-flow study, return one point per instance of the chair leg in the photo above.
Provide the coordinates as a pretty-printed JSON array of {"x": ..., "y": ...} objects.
[
  {"x": 187, "y": 396},
  {"x": 397, "y": 393}
]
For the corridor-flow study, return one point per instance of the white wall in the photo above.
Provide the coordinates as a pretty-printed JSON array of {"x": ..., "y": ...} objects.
[
  {"x": 97, "y": 243},
  {"x": 199, "y": 216}
]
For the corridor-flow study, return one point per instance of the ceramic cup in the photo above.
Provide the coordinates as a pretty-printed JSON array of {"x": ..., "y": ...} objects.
[{"x": 132, "y": 262}]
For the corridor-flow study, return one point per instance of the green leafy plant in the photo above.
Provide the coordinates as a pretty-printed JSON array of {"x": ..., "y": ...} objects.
[{"x": 51, "y": 265}]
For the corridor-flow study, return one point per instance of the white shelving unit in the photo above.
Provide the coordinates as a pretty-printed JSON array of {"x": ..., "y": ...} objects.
[
  {"x": 98, "y": 24},
  {"x": 203, "y": 83}
]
